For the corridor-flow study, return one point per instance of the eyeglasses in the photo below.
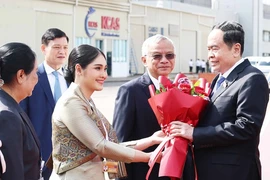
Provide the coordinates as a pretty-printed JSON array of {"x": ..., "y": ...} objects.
[{"x": 158, "y": 57}]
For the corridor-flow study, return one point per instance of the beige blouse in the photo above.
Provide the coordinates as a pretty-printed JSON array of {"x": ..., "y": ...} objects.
[{"x": 73, "y": 111}]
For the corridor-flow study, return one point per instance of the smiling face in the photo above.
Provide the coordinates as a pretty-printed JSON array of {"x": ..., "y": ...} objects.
[
  {"x": 220, "y": 55},
  {"x": 93, "y": 76},
  {"x": 55, "y": 52},
  {"x": 163, "y": 66}
]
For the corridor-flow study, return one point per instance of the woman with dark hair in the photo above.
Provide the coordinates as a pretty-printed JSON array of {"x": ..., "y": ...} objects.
[
  {"x": 82, "y": 136},
  {"x": 18, "y": 67}
]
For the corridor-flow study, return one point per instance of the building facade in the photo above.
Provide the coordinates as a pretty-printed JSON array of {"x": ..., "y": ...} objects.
[
  {"x": 255, "y": 18},
  {"x": 266, "y": 30},
  {"x": 251, "y": 18},
  {"x": 187, "y": 25},
  {"x": 103, "y": 24},
  {"x": 119, "y": 27}
]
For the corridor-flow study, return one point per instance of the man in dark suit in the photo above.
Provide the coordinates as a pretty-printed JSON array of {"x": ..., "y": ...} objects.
[
  {"x": 227, "y": 137},
  {"x": 39, "y": 107},
  {"x": 133, "y": 116}
]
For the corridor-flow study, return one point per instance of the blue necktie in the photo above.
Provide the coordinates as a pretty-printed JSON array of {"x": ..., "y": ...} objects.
[
  {"x": 57, "y": 88},
  {"x": 220, "y": 81}
]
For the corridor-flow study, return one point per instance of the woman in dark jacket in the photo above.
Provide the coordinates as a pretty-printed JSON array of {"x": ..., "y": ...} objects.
[{"x": 18, "y": 67}]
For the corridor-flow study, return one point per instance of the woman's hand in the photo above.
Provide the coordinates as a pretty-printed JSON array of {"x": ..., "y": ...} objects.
[
  {"x": 158, "y": 137},
  {"x": 158, "y": 158}
]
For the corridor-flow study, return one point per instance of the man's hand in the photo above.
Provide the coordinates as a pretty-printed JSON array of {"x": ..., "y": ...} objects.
[{"x": 184, "y": 130}]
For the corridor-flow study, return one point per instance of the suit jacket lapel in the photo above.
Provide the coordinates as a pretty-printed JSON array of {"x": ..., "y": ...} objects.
[
  {"x": 213, "y": 83},
  {"x": 233, "y": 76},
  {"x": 20, "y": 112},
  {"x": 224, "y": 86},
  {"x": 146, "y": 81},
  {"x": 44, "y": 83},
  {"x": 28, "y": 123}
]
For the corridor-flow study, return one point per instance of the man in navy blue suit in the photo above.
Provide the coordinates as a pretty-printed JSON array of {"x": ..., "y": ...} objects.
[
  {"x": 133, "y": 116},
  {"x": 40, "y": 105}
]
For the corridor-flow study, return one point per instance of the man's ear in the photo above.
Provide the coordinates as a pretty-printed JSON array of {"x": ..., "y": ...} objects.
[
  {"x": 143, "y": 59},
  {"x": 237, "y": 50},
  {"x": 43, "y": 47}
]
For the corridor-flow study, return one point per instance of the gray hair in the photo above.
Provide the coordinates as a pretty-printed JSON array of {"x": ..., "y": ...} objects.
[{"x": 154, "y": 39}]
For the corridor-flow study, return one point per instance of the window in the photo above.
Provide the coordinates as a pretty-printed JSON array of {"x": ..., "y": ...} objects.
[
  {"x": 266, "y": 54},
  {"x": 266, "y": 11},
  {"x": 82, "y": 40},
  {"x": 266, "y": 36},
  {"x": 120, "y": 50},
  {"x": 99, "y": 44}
]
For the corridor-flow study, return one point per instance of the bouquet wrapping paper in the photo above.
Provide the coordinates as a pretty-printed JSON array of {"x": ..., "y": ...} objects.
[{"x": 177, "y": 101}]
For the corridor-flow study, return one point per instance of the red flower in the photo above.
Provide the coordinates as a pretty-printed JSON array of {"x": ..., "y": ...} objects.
[
  {"x": 185, "y": 88},
  {"x": 200, "y": 88},
  {"x": 182, "y": 101},
  {"x": 199, "y": 91}
]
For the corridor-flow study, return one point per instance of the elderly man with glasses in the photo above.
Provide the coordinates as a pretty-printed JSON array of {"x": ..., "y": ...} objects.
[{"x": 133, "y": 116}]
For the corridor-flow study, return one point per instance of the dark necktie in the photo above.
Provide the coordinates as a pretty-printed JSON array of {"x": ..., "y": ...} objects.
[{"x": 57, "y": 88}]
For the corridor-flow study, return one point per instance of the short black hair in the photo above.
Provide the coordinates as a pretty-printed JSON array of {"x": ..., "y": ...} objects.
[
  {"x": 233, "y": 33},
  {"x": 52, "y": 34}
]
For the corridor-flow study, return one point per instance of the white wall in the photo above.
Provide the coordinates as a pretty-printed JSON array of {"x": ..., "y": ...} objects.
[
  {"x": 26, "y": 21},
  {"x": 189, "y": 33},
  {"x": 249, "y": 14}
]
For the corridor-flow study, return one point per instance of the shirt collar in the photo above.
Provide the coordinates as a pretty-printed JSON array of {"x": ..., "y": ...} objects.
[
  {"x": 227, "y": 73},
  {"x": 154, "y": 80},
  {"x": 49, "y": 69}
]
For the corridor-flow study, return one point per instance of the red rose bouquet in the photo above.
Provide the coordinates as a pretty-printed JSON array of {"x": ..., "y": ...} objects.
[{"x": 177, "y": 101}]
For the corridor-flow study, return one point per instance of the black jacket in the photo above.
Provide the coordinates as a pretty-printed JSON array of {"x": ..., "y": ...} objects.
[{"x": 20, "y": 143}]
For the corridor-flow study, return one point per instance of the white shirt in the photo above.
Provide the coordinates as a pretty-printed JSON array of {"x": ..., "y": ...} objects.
[
  {"x": 51, "y": 78},
  {"x": 203, "y": 64},
  {"x": 154, "y": 80},
  {"x": 198, "y": 62},
  {"x": 227, "y": 73},
  {"x": 190, "y": 63}
]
